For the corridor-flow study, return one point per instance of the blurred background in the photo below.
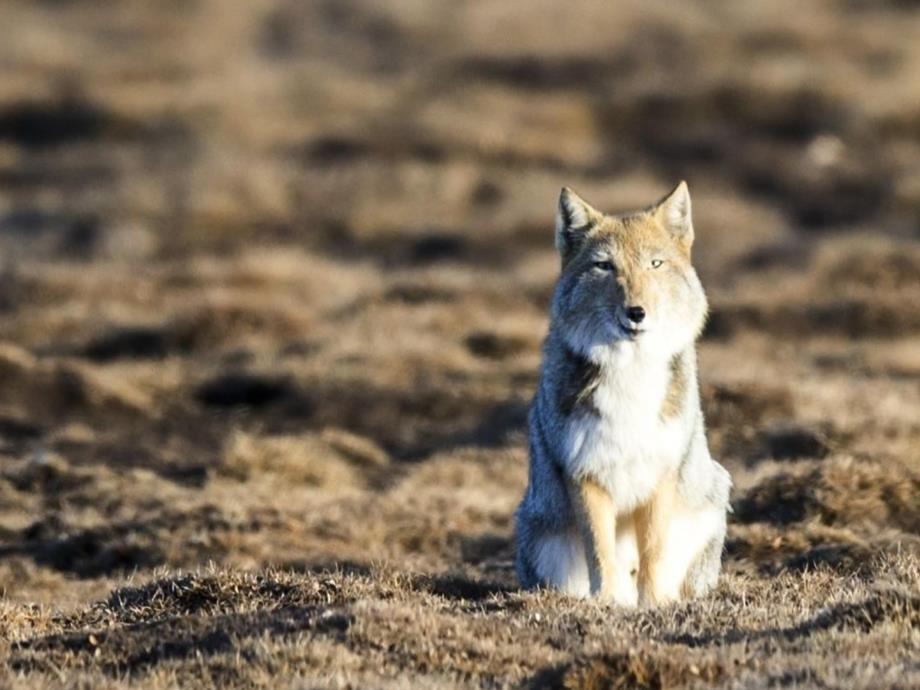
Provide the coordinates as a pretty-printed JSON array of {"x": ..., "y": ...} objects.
[
  {"x": 267, "y": 267},
  {"x": 414, "y": 132}
]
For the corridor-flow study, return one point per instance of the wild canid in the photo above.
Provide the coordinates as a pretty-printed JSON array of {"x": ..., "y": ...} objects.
[{"x": 623, "y": 500}]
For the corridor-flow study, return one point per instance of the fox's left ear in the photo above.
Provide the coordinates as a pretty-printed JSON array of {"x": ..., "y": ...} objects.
[{"x": 674, "y": 212}]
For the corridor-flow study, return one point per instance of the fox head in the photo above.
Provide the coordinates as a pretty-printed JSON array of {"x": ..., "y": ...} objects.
[{"x": 627, "y": 278}]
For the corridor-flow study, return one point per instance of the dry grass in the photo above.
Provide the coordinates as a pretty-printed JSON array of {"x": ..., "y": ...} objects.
[{"x": 273, "y": 282}]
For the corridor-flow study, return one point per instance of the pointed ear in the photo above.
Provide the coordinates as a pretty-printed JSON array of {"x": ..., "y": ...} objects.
[
  {"x": 574, "y": 218},
  {"x": 675, "y": 213}
]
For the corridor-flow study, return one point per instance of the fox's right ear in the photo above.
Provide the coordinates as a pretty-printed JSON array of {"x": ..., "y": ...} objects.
[{"x": 574, "y": 218}]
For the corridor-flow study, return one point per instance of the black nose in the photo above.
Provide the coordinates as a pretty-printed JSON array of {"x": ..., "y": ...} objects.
[{"x": 635, "y": 314}]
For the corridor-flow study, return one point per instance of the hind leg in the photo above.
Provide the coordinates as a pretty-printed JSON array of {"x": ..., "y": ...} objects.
[
  {"x": 558, "y": 562},
  {"x": 704, "y": 570}
]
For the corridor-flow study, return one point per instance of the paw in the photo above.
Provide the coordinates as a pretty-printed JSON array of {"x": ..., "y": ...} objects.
[
  {"x": 625, "y": 591},
  {"x": 622, "y": 591},
  {"x": 658, "y": 596},
  {"x": 624, "y": 600}
]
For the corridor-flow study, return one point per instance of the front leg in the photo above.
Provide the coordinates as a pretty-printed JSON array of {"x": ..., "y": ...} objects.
[
  {"x": 596, "y": 517},
  {"x": 653, "y": 520}
]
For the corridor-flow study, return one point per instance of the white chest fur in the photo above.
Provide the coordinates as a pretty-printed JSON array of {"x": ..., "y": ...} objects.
[{"x": 623, "y": 443}]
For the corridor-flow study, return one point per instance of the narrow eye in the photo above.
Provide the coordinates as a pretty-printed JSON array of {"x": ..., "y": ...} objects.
[
  {"x": 603, "y": 265},
  {"x": 656, "y": 263}
]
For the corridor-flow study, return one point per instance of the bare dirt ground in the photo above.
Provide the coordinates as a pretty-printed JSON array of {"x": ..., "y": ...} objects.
[{"x": 274, "y": 281}]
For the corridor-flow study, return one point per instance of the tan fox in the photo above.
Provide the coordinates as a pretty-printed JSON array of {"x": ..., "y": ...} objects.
[{"x": 624, "y": 500}]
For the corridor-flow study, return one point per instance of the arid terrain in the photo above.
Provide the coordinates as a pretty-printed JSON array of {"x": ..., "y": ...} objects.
[{"x": 273, "y": 284}]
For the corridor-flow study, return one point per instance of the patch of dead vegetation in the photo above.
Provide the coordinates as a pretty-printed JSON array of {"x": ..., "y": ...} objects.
[
  {"x": 61, "y": 389},
  {"x": 333, "y": 458},
  {"x": 867, "y": 317},
  {"x": 870, "y": 263},
  {"x": 388, "y": 620}
]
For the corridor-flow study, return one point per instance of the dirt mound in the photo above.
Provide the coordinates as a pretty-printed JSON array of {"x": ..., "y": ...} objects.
[
  {"x": 409, "y": 424},
  {"x": 121, "y": 547},
  {"x": 633, "y": 670},
  {"x": 65, "y": 389},
  {"x": 747, "y": 404},
  {"x": 842, "y": 514},
  {"x": 854, "y": 318},
  {"x": 870, "y": 263},
  {"x": 200, "y": 594},
  {"x": 137, "y": 628},
  {"x": 333, "y": 458},
  {"x": 840, "y": 491},
  {"x": 754, "y": 422}
]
